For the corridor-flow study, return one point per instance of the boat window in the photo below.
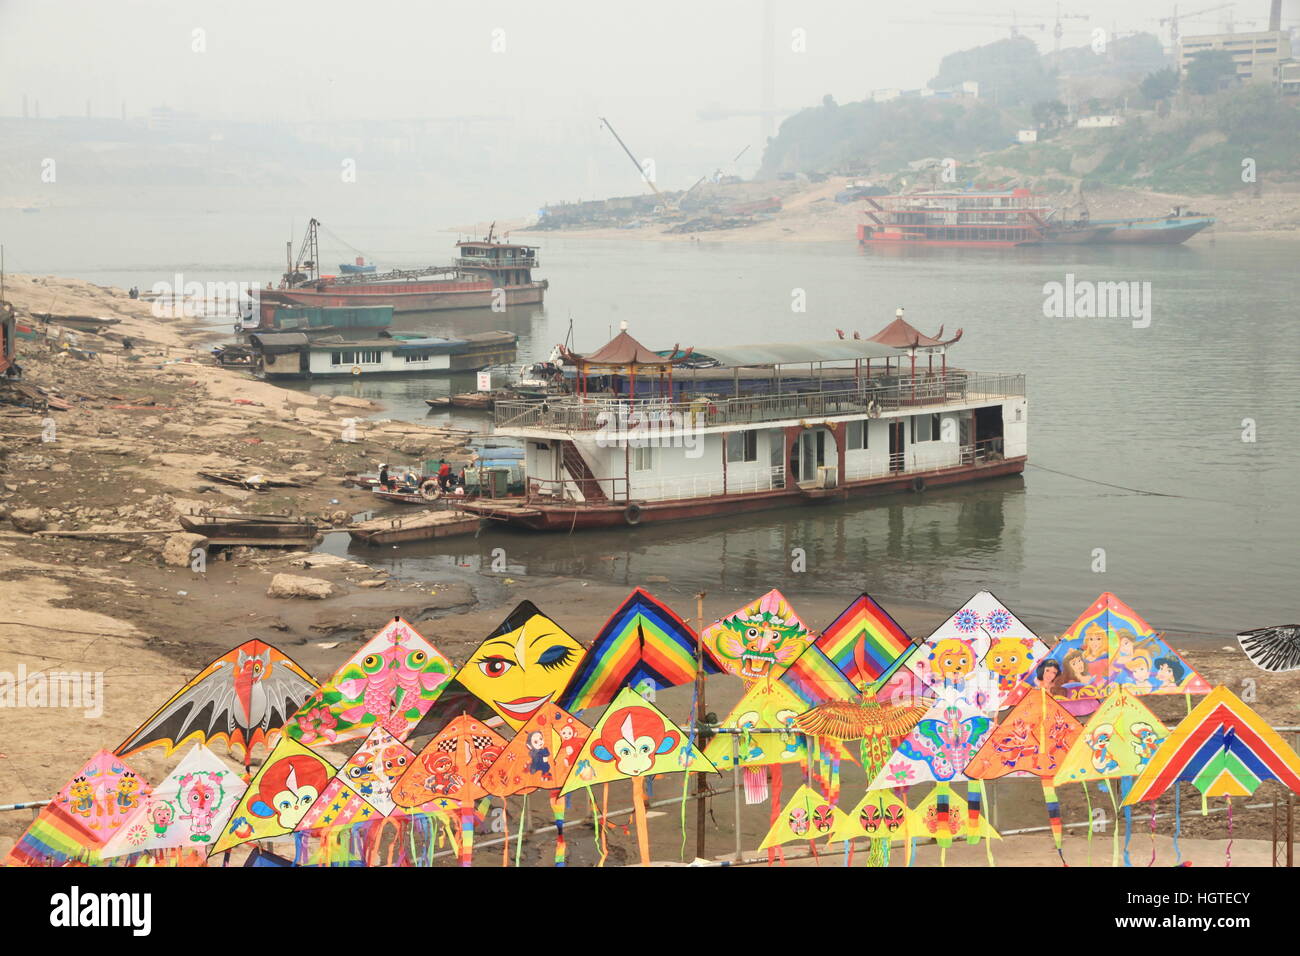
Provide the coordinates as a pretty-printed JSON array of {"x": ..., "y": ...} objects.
[
  {"x": 417, "y": 356},
  {"x": 855, "y": 438},
  {"x": 925, "y": 427},
  {"x": 643, "y": 458},
  {"x": 742, "y": 446}
]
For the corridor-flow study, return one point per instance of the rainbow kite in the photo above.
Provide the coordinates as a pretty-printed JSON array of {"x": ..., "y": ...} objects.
[
  {"x": 644, "y": 643},
  {"x": 864, "y": 641}
]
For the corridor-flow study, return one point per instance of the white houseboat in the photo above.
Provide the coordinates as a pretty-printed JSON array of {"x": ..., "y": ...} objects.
[
  {"x": 816, "y": 421},
  {"x": 297, "y": 355}
]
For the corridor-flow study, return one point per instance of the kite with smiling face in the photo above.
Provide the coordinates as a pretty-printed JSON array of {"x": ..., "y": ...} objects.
[{"x": 522, "y": 666}]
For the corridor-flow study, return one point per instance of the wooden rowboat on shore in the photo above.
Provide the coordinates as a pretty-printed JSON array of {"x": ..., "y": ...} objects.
[
  {"x": 253, "y": 530},
  {"x": 423, "y": 526}
]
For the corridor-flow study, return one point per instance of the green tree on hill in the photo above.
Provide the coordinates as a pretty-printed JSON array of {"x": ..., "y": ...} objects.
[
  {"x": 1208, "y": 69},
  {"x": 1159, "y": 85}
]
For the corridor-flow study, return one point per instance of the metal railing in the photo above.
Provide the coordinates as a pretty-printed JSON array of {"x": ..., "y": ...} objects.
[
  {"x": 484, "y": 262},
  {"x": 615, "y": 415},
  {"x": 562, "y": 489}
]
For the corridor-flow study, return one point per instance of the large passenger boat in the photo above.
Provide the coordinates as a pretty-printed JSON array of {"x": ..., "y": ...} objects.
[
  {"x": 486, "y": 273},
  {"x": 646, "y": 437}
]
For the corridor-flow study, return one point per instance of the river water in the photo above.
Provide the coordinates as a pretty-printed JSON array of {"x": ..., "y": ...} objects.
[{"x": 1136, "y": 452}]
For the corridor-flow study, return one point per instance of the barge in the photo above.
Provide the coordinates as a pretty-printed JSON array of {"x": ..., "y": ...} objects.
[
  {"x": 880, "y": 426},
  {"x": 485, "y": 274}
]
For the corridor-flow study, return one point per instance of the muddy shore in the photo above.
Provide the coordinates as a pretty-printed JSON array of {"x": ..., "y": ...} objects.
[{"x": 140, "y": 424}]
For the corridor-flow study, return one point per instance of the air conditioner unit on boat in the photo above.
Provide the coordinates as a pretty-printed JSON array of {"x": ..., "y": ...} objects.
[{"x": 827, "y": 476}]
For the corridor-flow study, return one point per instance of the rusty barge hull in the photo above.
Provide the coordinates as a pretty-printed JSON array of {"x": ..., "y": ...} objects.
[
  {"x": 469, "y": 295},
  {"x": 540, "y": 516}
]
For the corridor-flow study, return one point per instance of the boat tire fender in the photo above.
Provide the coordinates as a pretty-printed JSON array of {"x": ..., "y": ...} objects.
[
  {"x": 430, "y": 489},
  {"x": 632, "y": 514},
  {"x": 356, "y": 370},
  {"x": 918, "y": 484}
]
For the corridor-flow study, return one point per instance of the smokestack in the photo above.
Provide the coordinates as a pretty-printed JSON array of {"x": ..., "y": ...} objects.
[{"x": 1275, "y": 15}]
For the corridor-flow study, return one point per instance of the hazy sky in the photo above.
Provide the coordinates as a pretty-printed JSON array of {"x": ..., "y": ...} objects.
[{"x": 643, "y": 62}]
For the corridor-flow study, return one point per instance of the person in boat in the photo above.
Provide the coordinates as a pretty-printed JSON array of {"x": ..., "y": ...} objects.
[
  {"x": 384, "y": 480},
  {"x": 444, "y": 474}
]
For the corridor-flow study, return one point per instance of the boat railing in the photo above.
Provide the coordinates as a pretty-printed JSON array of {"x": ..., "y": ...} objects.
[
  {"x": 589, "y": 490},
  {"x": 621, "y": 416},
  {"x": 484, "y": 262},
  {"x": 666, "y": 488}
]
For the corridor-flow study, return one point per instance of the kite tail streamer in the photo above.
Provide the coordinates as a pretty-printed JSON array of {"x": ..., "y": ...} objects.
[
  {"x": 1126, "y": 784},
  {"x": 523, "y": 825},
  {"x": 941, "y": 816},
  {"x": 302, "y": 845},
  {"x": 505, "y": 831},
  {"x": 777, "y": 851},
  {"x": 1114, "y": 838},
  {"x": 755, "y": 781},
  {"x": 597, "y": 828},
  {"x": 1178, "y": 824},
  {"x": 466, "y": 834},
  {"x": 1087, "y": 798},
  {"x": 557, "y": 810},
  {"x": 1053, "y": 813},
  {"x": 1153, "y": 833},
  {"x": 974, "y": 801},
  {"x": 1229, "y": 850}
]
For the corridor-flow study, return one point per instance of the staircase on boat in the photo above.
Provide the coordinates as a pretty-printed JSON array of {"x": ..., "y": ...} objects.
[{"x": 581, "y": 472}]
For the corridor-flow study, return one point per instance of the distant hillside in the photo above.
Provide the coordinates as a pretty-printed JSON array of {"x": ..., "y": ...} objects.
[{"x": 1199, "y": 150}]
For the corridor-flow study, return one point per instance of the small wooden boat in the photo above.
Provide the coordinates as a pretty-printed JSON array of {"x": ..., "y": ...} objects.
[
  {"x": 424, "y": 526},
  {"x": 484, "y": 401},
  {"x": 255, "y": 482},
  {"x": 408, "y": 497},
  {"x": 254, "y": 530},
  {"x": 83, "y": 323}
]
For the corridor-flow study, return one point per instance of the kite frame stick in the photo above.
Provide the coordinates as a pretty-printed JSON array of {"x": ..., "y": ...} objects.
[
  {"x": 700, "y": 713},
  {"x": 642, "y": 830},
  {"x": 736, "y": 786}
]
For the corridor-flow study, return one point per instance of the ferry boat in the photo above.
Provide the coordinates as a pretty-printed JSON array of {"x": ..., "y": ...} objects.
[
  {"x": 825, "y": 421},
  {"x": 298, "y": 355},
  {"x": 485, "y": 274},
  {"x": 1015, "y": 217},
  {"x": 963, "y": 218}
]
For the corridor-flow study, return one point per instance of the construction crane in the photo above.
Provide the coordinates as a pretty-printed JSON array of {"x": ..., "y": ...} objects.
[
  {"x": 1058, "y": 31},
  {"x": 635, "y": 162},
  {"x": 1015, "y": 26},
  {"x": 1173, "y": 19}
]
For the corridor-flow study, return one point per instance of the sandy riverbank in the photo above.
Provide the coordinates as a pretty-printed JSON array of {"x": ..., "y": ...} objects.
[{"x": 812, "y": 215}]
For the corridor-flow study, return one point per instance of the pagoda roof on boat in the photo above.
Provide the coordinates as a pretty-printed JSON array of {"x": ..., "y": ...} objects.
[
  {"x": 900, "y": 334},
  {"x": 793, "y": 353},
  {"x": 624, "y": 351}
]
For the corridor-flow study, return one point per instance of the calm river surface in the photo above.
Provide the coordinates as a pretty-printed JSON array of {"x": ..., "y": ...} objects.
[{"x": 1209, "y": 548}]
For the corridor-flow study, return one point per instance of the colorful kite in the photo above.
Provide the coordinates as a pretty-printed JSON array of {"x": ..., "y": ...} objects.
[
  {"x": 1224, "y": 748},
  {"x": 363, "y": 788},
  {"x": 390, "y": 683},
  {"x": 634, "y": 740},
  {"x": 938, "y": 748},
  {"x": 758, "y": 640},
  {"x": 807, "y": 816},
  {"x": 448, "y": 775},
  {"x": 768, "y": 705},
  {"x": 1110, "y": 646},
  {"x": 84, "y": 815},
  {"x": 522, "y": 666},
  {"x": 879, "y": 816},
  {"x": 540, "y": 757},
  {"x": 864, "y": 641},
  {"x": 188, "y": 809},
  {"x": 944, "y": 816},
  {"x": 1274, "y": 649},
  {"x": 643, "y": 644},
  {"x": 815, "y": 679},
  {"x": 981, "y": 654},
  {"x": 279, "y": 796},
  {"x": 1119, "y": 740},
  {"x": 1031, "y": 740},
  {"x": 245, "y": 697}
]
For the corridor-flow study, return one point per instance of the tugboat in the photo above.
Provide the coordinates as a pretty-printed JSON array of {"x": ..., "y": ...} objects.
[{"x": 486, "y": 274}]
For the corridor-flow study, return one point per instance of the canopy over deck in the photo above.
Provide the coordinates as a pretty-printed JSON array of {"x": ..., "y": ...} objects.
[
  {"x": 624, "y": 352},
  {"x": 793, "y": 353},
  {"x": 900, "y": 334}
]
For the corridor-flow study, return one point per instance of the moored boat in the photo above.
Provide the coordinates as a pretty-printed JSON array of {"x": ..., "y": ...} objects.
[
  {"x": 297, "y": 355},
  {"x": 486, "y": 273},
  {"x": 890, "y": 426},
  {"x": 253, "y": 530},
  {"x": 1178, "y": 226},
  {"x": 423, "y": 526}
]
